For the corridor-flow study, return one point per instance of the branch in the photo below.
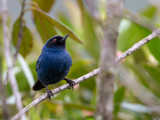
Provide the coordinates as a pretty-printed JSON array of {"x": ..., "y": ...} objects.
[
  {"x": 87, "y": 76},
  {"x": 20, "y": 34},
  {"x": 2, "y": 88},
  {"x": 57, "y": 90},
  {"x": 8, "y": 57},
  {"x": 137, "y": 45},
  {"x": 95, "y": 13}
]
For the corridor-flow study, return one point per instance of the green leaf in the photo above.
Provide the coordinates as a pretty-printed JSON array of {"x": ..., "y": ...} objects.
[
  {"x": 149, "y": 12},
  {"x": 45, "y": 28},
  {"x": 139, "y": 56},
  {"x": 118, "y": 97},
  {"x": 153, "y": 45},
  {"x": 45, "y": 5},
  {"x": 78, "y": 69},
  {"x": 82, "y": 8},
  {"x": 154, "y": 48},
  {"x": 134, "y": 33},
  {"x": 70, "y": 105},
  {"x": 34, "y": 114},
  {"x": 65, "y": 20},
  {"x": 27, "y": 40},
  {"x": 54, "y": 23},
  {"x": 130, "y": 35},
  {"x": 154, "y": 71},
  {"x": 91, "y": 40},
  {"x": 26, "y": 70}
]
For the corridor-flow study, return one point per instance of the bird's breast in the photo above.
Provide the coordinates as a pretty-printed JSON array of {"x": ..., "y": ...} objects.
[{"x": 54, "y": 66}]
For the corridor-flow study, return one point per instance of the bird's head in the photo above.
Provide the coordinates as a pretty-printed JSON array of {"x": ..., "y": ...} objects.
[{"x": 57, "y": 40}]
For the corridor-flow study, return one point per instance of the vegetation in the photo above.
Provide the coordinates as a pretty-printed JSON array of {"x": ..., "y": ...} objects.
[{"x": 84, "y": 47}]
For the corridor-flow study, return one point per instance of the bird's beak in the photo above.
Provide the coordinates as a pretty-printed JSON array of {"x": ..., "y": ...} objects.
[{"x": 64, "y": 38}]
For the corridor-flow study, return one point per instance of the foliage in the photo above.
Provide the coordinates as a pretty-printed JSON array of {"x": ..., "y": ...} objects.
[{"x": 84, "y": 47}]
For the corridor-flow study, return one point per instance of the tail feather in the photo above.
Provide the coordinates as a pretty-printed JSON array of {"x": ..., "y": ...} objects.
[{"x": 38, "y": 86}]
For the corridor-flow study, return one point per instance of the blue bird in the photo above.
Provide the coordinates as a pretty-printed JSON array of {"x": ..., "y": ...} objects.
[{"x": 53, "y": 64}]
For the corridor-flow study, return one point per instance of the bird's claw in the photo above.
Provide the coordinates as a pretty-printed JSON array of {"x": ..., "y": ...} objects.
[
  {"x": 71, "y": 83},
  {"x": 49, "y": 93}
]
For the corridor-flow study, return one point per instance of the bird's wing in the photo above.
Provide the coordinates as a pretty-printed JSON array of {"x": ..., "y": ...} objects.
[{"x": 38, "y": 63}]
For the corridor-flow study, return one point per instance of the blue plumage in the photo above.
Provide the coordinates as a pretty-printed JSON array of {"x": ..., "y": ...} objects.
[{"x": 53, "y": 64}]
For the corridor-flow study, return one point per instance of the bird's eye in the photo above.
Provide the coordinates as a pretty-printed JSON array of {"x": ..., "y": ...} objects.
[{"x": 54, "y": 40}]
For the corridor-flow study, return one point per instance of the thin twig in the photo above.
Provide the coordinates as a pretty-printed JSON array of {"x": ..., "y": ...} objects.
[
  {"x": 137, "y": 45},
  {"x": 19, "y": 40},
  {"x": 2, "y": 88},
  {"x": 20, "y": 34},
  {"x": 89, "y": 75},
  {"x": 7, "y": 53},
  {"x": 57, "y": 90},
  {"x": 95, "y": 13}
]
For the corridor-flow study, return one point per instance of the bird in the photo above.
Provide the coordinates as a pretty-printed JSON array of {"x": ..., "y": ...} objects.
[{"x": 53, "y": 64}]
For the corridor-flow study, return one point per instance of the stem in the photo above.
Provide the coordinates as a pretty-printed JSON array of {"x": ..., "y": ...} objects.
[
  {"x": 105, "y": 81},
  {"x": 8, "y": 57},
  {"x": 2, "y": 89}
]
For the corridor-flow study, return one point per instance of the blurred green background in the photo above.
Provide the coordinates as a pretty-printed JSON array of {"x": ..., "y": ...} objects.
[{"x": 49, "y": 18}]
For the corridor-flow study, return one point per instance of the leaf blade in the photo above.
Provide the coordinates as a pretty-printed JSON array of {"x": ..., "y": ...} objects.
[
  {"x": 27, "y": 39},
  {"x": 59, "y": 25},
  {"x": 45, "y": 5}
]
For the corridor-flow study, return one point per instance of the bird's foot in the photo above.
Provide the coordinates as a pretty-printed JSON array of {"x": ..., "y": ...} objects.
[
  {"x": 70, "y": 82},
  {"x": 49, "y": 93}
]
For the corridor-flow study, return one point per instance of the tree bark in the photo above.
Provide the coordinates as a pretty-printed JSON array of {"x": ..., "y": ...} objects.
[{"x": 105, "y": 81}]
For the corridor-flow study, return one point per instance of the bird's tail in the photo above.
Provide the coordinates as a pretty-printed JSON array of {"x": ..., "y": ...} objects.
[{"x": 38, "y": 86}]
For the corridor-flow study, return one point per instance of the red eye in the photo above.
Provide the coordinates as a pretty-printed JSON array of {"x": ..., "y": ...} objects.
[{"x": 54, "y": 40}]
